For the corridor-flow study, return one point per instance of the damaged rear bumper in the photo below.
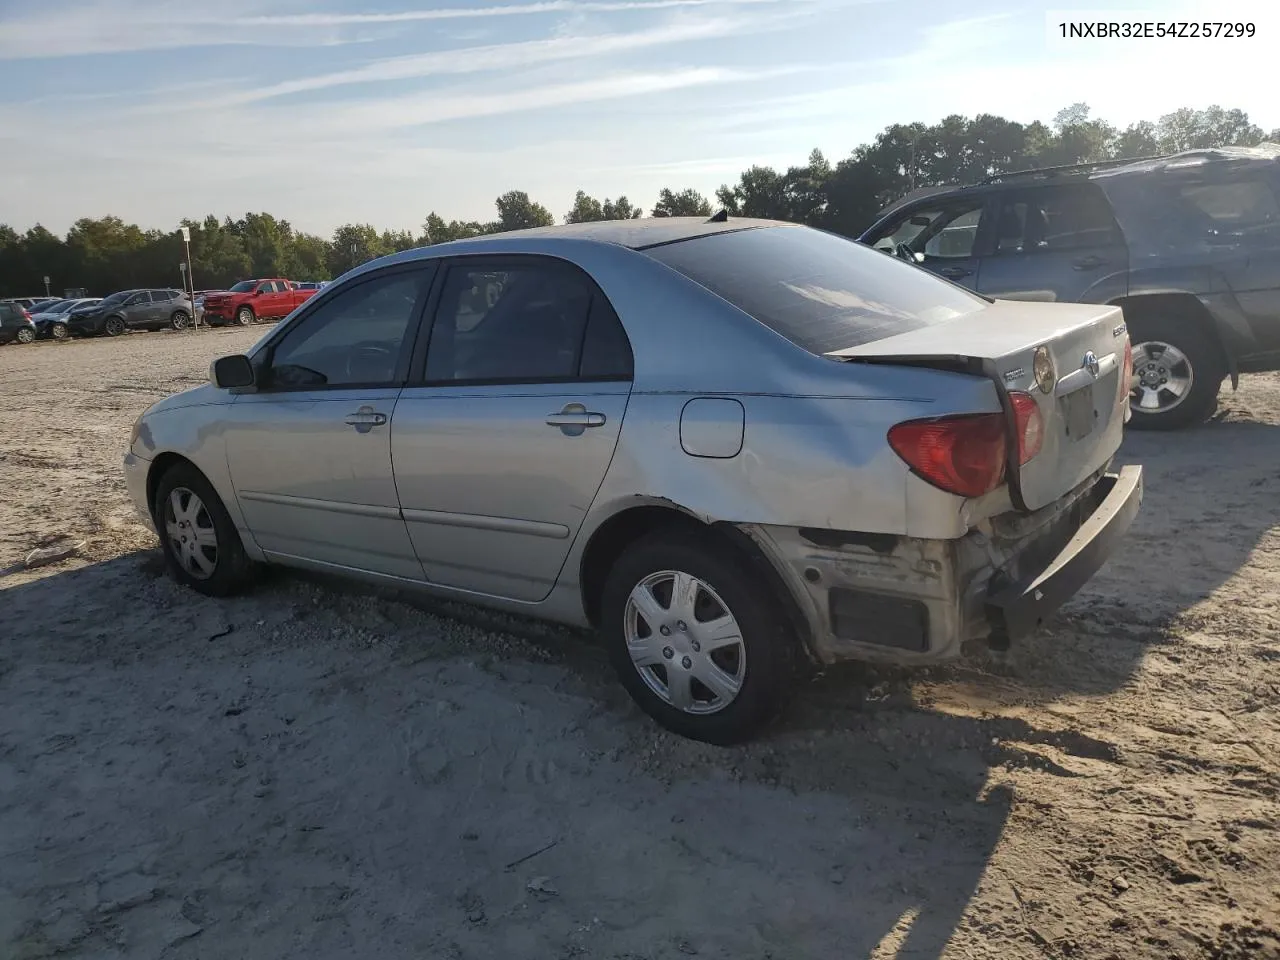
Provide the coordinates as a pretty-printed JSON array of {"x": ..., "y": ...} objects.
[
  {"x": 1017, "y": 610},
  {"x": 907, "y": 600}
]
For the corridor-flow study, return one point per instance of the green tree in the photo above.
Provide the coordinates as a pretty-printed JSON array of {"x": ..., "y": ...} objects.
[
  {"x": 354, "y": 244},
  {"x": 686, "y": 203},
  {"x": 310, "y": 257},
  {"x": 585, "y": 209},
  {"x": 1136, "y": 140},
  {"x": 620, "y": 209},
  {"x": 394, "y": 241},
  {"x": 517, "y": 212},
  {"x": 435, "y": 230},
  {"x": 1188, "y": 129},
  {"x": 267, "y": 242}
]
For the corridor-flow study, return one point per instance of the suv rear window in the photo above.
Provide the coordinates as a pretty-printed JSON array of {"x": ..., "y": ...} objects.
[{"x": 820, "y": 291}]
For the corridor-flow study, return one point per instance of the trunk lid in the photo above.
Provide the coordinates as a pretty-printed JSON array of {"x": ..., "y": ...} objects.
[{"x": 1083, "y": 411}]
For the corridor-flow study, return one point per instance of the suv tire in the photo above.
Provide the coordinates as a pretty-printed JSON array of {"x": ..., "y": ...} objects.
[{"x": 1170, "y": 350}]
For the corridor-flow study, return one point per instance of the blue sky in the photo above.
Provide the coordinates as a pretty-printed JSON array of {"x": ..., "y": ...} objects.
[{"x": 333, "y": 111}]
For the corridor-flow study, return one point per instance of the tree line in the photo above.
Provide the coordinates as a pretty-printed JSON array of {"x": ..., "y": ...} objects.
[{"x": 108, "y": 254}]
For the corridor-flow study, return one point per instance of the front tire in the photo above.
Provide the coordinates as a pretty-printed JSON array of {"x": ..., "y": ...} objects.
[
  {"x": 1179, "y": 370},
  {"x": 26, "y": 335},
  {"x": 58, "y": 331},
  {"x": 697, "y": 640},
  {"x": 245, "y": 316},
  {"x": 202, "y": 548},
  {"x": 179, "y": 320},
  {"x": 113, "y": 327}
]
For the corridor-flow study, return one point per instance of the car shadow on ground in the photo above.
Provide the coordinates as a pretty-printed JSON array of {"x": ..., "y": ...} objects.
[{"x": 139, "y": 716}]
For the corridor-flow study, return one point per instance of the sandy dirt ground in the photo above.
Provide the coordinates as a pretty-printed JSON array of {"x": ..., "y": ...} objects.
[{"x": 317, "y": 772}]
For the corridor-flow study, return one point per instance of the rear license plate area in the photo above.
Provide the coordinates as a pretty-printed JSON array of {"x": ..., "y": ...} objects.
[{"x": 1078, "y": 412}]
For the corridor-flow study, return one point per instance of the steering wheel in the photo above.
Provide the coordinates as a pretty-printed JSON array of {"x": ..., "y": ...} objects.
[
  {"x": 904, "y": 252},
  {"x": 369, "y": 353}
]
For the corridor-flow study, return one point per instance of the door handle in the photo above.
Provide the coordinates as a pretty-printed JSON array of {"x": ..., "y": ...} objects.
[
  {"x": 954, "y": 273},
  {"x": 365, "y": 417},
  {"x": 576, "y": 419},
  {"x": 1087, "y": 263}
]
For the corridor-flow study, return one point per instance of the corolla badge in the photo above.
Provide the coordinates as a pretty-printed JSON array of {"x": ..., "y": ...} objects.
[{"x": 1091, "y": 363}]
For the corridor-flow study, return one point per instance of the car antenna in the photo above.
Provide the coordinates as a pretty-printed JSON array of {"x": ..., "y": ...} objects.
[{"x": 720, "y": 216}]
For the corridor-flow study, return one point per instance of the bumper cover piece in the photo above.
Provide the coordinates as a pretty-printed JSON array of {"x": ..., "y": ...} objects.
[{"x": 1018, "y": 610}]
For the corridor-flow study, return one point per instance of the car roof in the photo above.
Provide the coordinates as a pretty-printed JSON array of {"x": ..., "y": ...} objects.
[
  {"x": 1265, "y": 154},
  {"x": 633, "y": 234}
]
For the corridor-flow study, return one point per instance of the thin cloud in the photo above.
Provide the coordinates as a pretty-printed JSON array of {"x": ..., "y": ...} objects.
[
  {"x": 428, "y": 108},
  {"x": 469, "y": 13},
  {"x": 117, "y": 26},
  {"x": 503, "y": 56}
]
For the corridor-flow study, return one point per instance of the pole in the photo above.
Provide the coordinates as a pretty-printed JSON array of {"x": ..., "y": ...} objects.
[
  {"x": 46, "y": 287},
  {"x": 191, "y": 280}
]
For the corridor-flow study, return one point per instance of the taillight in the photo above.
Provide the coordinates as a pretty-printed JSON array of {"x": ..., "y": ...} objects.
[
  {"x": 1029, "y": 424},
  {"x": 963, "y": 455},
  {"x": 1126, "y": 374},
  {"x": 25, "y": 312}
]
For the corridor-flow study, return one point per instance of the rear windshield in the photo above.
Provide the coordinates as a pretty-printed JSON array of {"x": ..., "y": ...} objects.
[{"x": 820, "y": 291}]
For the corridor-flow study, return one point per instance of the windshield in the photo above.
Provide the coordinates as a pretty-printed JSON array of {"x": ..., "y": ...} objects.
[
  {"x": 117, "y": 298},
  {"x": 244, "y": 286},
  {"x": 56, "y": 306},
  {"x": 821, "y": 291}
]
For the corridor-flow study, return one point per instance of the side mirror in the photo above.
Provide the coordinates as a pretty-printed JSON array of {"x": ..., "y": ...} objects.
[{"x": 231, "y": 372}]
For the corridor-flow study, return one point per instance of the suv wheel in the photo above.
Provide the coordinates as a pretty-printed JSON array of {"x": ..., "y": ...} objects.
[
  {"x": 700, "y": 644},
  {"x": 26, "y": 335},
  {"x": 1178, "y": 370},
  {"x": 114, "y": 326},
  {"x": 58, "y": 331},
  {"x": 179, "y": 320}
]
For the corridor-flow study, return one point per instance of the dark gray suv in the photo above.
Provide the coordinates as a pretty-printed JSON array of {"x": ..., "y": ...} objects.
[
  {"x": 132, "y": 310},
  {"x": 1188, "y": 245}
]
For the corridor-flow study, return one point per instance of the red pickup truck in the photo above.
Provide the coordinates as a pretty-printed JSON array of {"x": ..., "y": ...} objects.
[{"x": 252, "y": 300}]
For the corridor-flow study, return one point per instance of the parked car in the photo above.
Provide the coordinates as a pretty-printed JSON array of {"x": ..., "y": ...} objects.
[
  {"x": 132, "y": 310},
  {"x": 15, "y": 323},
  {"x": 252, "y": 300},
  {"x": 26, "y": 303},
  {"x": 1188, "y": 245},
  {"x": 51, "y": 321},
  {"x": 827, "y": 454}
]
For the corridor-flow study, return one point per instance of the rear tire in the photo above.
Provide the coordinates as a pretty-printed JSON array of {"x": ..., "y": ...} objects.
[
  {"x": 202, "y": 548},
  {"x": 26, "y": 335},
  {"x": 751, "y": 677},
  {"x": 179, "y": 320},
  {"x": 1170, "y": 353}
]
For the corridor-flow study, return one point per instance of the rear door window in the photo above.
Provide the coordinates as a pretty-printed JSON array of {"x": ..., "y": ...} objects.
[
  {"x": 820, "y": 291},
  {"x": 1055, "y": 218}
]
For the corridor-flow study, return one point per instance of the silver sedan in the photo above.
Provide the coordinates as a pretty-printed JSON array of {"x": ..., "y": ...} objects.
[{"x": 737, "y": 448}]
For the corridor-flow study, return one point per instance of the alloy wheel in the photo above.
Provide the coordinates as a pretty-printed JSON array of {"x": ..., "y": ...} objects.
[{"x": 1164, "y": 377}]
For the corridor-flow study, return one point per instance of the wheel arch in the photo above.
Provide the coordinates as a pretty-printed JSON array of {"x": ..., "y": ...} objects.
[
  {"x": 1178, "y": 303},
  {"x": 161, "y": 465},
  {"x": 612, "y": 537}
]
